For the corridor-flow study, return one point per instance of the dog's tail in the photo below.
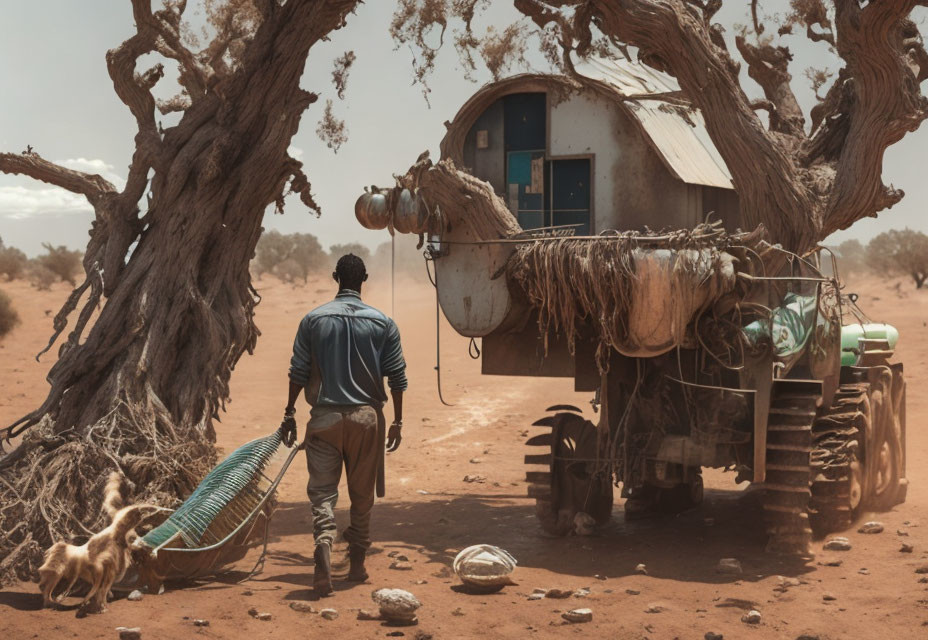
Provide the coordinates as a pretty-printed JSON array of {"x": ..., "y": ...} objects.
[{"x": 115, "y": 494}]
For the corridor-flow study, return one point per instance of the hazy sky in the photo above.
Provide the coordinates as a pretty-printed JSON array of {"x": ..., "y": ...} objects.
[{"x": 57, "y": 97}]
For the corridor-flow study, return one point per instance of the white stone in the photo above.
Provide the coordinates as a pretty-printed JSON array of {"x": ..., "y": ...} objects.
[
  {"x": 838, "y": 543},
  {"x": 396, "y": 604},
  {"x": 329, "y": 614},
  {"x": 751, "y": 617},
  {"x": 302, "y": 606},
  {"x": 871, "y": 527},
  {"x": 578, "y": 615},
  {"x": 729, "y": 566},
  {"x": 135, "y": 596},
  {"x": 641, "y": 569}
]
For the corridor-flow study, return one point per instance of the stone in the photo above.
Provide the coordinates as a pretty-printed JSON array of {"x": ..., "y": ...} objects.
[
  {"x": 711, "y": 635},
  {"x": 458, "y": 612},
  {"x": 871, "y": 527},
  {"x": 808, "y": 636},
  {"x": 541, "y": 591},
  {"x": 401, "y": 565},
  {"x": 751, "y": 617},
  {"x": 247, "y": 593},
  {"x": 838, "y": 543},
  {"x": 478, "y": 479},
  {"x": 864, "y": 571},
  {"x": 402, "y": 558},
  {"x": 729, "y": 566},
  {"x": 559, "y": 593},
  {"x": 584, "y": 524},
  {"x": 582, "y": 592},
  {"x": 536, "y": 596},
  {"x": 923, "y": 580},
  {"x": 922, "y": 569},
  {"x": 906, "y": 548},
  {"x": 199, "y": 622},
  {"x": 302, "y": 606},
  {"x": 632, "y": 592},
  {"x": 475, "y": 460},
  {"x": 901, "y": 532},
  {"x": 329, "y": 614},
  {"x": 129, "y": 633},
  {"x": 655, "y": 607},
  {"x": 828, "y": 597},
  {"x": 253, "y": 612},
  {"x": 600, "y": 577},
  {"x": 578, "y": 615},
  {"x": 397, "y": 605},
  {"x": 135, "y": 596},
  {"x": 364, "y": 614},
  {"x": 834, "y": 563},
  {"x": 266, "y": 617},
  {"x": 784, "y": 583},
  {"x": 643, "y": 570}
]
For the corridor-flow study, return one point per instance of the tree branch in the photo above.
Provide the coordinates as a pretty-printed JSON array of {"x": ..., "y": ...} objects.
[
  {"x": 89, "y": 185},
  {"x": 886, "y": 103},
  {"x": 768, "y": 67}
]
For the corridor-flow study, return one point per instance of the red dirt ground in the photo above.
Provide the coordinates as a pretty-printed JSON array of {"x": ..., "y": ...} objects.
[{"x": 430, "y": 513}]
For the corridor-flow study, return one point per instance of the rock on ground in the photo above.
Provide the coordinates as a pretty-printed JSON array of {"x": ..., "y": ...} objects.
[
  {"x": 559, "y": 593},
  {"x": 643, "y": 570},
  {"x": 329, "y": 614},
  {"x": 129, "y": 633},
  {"x": 871, "y": 527},
  {"x": 655, "y": 607},
  {"x": 401, "y": 565},
  {"x": 302, "y": 606},
  {"x": 838, "y": 543},
  {"x": 135, "y": 596},
  {"x": 751, "y": 617},
  {"x": 396, "y": 605},
  {"x": 906, "y": 548},
  {"x": 364, "y": 614},
  {"x": 729, "y": 566},
  {"x": 711, "y": 635},
  {"x": 578, "y": 615},
  {"x": 200, "y": 623}
]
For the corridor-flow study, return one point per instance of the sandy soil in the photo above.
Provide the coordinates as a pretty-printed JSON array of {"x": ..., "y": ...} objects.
[{"x": 430, "y": 513}]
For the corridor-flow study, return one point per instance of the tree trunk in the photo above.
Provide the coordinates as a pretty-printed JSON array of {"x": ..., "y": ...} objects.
[{"x": 141, "y": 391}]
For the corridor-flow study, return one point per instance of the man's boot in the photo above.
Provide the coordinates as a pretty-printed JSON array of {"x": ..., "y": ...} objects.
[
  {"x": 322, "y": 574},
  {"x": 356, "y": 572}
]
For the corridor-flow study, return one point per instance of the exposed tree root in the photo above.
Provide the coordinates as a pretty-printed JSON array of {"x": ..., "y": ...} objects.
[{"x": 55, "y": 491}]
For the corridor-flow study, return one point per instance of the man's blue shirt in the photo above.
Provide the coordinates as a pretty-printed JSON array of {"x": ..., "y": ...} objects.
[{"x": 342, "y": 352}]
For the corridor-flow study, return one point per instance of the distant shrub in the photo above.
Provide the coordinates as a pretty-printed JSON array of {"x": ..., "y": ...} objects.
[
  {"x": 62, "y": 262},
  {"x": 900, "y": 252},
  {"x": 8, "y": 316},
  {"x": 289, "y": 257},
  {"x": 40, "y": 276},
  {"x": 336, "y": 251},
  {"x": 12, "y": 262},
  {"x": 852, "y": 257}
]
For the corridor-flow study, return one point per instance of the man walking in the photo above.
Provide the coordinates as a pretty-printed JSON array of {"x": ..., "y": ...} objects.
[{"x": 341, "y": 354}]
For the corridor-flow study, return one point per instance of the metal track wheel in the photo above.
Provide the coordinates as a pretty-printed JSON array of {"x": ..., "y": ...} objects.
[
  {"x": 562, "y": 480},
  {"x": 787, "y": 483}
]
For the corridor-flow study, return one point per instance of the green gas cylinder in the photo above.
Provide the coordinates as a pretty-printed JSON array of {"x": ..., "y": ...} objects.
[{"x": 851, "y": 333}]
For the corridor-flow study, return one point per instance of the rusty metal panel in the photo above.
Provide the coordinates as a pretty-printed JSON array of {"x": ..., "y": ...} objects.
[{"x": 681, "y": 139}]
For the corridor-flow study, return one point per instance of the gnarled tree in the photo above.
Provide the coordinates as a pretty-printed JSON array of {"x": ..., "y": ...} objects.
[{"x": 141, "y": 388}]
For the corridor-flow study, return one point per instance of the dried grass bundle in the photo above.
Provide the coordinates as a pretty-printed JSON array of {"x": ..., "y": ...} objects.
[{"x": 639, "y": 292}]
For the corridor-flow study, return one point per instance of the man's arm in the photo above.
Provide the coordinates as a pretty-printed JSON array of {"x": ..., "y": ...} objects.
[
  {"x": 300, "y": 364},
  {"x": 394, "y": 367}
]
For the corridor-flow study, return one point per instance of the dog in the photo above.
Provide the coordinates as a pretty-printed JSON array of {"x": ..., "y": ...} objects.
[{"x": 102, "y": 560}]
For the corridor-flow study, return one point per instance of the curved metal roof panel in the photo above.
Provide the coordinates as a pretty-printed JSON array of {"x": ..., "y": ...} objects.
[{"x": 678, "y": 135}]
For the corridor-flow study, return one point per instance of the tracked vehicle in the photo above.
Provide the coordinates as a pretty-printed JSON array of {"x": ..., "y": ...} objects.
[{"x": 704, "y": 346}]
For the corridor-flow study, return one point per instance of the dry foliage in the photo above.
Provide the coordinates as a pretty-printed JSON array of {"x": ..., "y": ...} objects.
[
  {"x": 331, "y": 130},
  {"x": 8, "y": 316},
  {"x": 64, "y": 263},
  {"x": 12, "y": 262},
  {"x": 289, "y": 257},
  {"x": 903, "y": 252}
]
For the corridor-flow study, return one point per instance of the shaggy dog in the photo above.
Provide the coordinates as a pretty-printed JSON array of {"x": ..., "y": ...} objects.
[{"x": 103, "y": 559}]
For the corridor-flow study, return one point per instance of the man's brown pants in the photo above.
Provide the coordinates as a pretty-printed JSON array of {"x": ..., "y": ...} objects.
[{"x": 352, "y": 436}]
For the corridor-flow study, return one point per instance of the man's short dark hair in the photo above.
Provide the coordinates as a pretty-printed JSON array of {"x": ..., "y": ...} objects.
[{"x": 350, "y": 271}]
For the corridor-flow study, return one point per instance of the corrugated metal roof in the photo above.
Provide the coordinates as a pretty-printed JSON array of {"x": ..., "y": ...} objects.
[{"x": 682, "y": 141}]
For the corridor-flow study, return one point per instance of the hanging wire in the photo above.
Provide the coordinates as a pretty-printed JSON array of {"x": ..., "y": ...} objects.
[{"x": 434, "y": 280}]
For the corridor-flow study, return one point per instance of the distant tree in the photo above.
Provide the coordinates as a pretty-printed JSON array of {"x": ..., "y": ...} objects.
[
  {"x": 63, "y": 262},
  {"x": 291, "y": 256},
  {"x": 12, "y": 262},
  {"x": 900, "y": 252},
  {"x": 40, "y": 276},
  {"x": 272, "y": 249},
  {"x": 8, "y": 316},
  {"x": 308, "y": 254},
  {"x": 852, "y": 257},
  {"x": 336, "y": 251}
]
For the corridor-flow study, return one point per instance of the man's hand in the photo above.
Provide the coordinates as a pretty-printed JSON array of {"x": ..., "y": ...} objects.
[
  {"x": 288, "y": 427},
  {"x": 395, "y": 436}
]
